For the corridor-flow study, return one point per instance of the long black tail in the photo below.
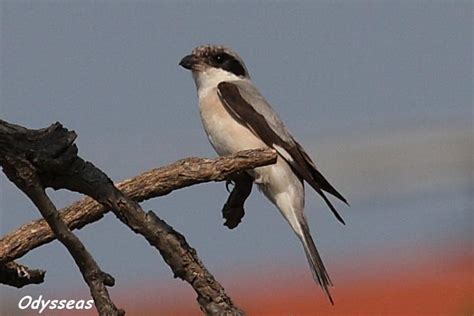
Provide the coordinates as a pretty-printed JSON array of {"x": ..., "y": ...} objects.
[{"x": 315, "y": 262}]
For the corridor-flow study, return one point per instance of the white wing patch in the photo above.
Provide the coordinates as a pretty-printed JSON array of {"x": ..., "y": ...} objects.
[{"x": 283, "y": 152}]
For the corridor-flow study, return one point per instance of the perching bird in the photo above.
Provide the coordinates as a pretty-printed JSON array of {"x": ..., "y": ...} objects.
[{"x": 236, "y": 117}]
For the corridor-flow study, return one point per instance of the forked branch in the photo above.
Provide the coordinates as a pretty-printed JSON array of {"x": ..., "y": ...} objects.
[{"x": 36, "y": 159}]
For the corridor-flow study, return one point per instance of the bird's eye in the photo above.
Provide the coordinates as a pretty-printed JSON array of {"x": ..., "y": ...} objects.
[{"x": 219, "y": 58}]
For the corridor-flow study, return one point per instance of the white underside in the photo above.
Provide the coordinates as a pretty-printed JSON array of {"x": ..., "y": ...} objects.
[{"x": 278, "y": 182}]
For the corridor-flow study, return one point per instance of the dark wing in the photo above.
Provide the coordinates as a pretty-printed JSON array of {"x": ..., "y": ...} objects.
[{"x": 288, "y": 148}]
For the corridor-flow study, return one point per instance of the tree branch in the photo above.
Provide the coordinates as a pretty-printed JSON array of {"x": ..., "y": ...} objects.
[
  {"x": 50, "y": 159},
  {"x": 95, "y": 278},
  {"x": 22, "y": 169},
  {"x": 17, "y": 275},
  {"x": 153, "y": 183}
]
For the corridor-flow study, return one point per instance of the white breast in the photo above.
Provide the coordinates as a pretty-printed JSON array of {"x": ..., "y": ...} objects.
[{"x": 226, "y": 135}]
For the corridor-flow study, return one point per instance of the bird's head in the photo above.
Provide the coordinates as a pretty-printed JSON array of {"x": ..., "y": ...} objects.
[{"x": 214, "y": 63}]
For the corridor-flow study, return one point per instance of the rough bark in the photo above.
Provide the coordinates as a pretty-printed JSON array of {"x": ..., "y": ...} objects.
[
  {"x": 150, "y": 184},
  {"x": 18, "y": 275},
  {"x": 36, "y": 159}
]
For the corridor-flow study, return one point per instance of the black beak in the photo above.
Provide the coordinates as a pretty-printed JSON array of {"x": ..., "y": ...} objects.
[{"x": 188, "y": 62}]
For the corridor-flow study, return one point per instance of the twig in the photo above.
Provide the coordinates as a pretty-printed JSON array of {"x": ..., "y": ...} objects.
[
  {"x": 17, "y": 165},
  {"x": 18, "y": 275},
  {"x": 50, "y": 159},
  {"x": 95, "y": 278},
  {"x": 153, "y": 183},
  {"x": 84, "y": 177}
]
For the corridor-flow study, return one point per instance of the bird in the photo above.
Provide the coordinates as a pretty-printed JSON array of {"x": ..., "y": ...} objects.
[{"x": 236, "y": 117}]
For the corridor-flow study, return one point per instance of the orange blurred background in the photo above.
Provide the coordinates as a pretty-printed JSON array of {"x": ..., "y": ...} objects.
[{"x": 440, "y": 285}]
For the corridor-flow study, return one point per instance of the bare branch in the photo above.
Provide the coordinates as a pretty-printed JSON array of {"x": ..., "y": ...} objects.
[
  {"x": 92, "y": 274},
  {"x": 84, "y": 177},
  {"x": 17, "y": 275},
  {"x": 153, "y": 183},
  {"x": 20, "y": 167},
  {"x": 50, "y": 160}
]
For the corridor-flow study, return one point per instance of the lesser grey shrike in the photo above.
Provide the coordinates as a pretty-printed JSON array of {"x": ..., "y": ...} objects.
[{"x": 237, "y": 117}]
